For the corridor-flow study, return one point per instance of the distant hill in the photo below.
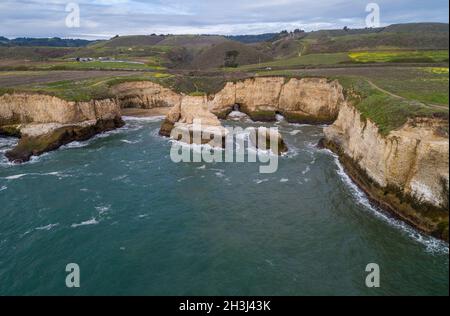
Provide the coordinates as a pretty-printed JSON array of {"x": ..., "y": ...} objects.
[
  {"x": 132, "y": 41},
  {"x": 251, "y": 39},
  {"x": 413, "y": 36},
  {"x": 228, "y": 54},
  {"x": 44, "y": 42},
  {"x": 418, "y": 27},
  {"x": 192, "y": 40},
  {"x": 211, "y": 51}
]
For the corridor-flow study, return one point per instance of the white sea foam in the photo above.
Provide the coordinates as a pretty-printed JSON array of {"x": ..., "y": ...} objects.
[
  {"x": 76, "y": 144},
  {"x": 259, "y": 181},
  {"x": 144, "y": 119},
  {"x": 300, "y": 125},
  {"x": 92, "y": 221},
  {"x": 103, "y": 209},
  {"x": 48, "y": 227},
  {"x": 17, "y": 176},
  {"x": 130, "y": 142},
  {"x": 202, "y": 167},
  {"x": 295, "y": 132},
  {"x": 284, "y": 180},
  {"x": 432, "y": 245},
  {"x": 120, "y": 177},
  {"x": 184, "y": 179},
  {"x": 308, "y": 169},
  {"x": 3, "y": 188},
  {"x": 239, "y": 116},
  {"x": 279, "y": 118}
]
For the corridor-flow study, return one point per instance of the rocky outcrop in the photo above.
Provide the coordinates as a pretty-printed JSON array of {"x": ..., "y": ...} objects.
[
  {"x": 406, "y": 172},
  {"x": 145, "y": 95},
  {"x": 33, "y": 108},
  {"x": 45, "y": 123},
  {"x": 181, "y": 121},
  {"x": 299, "y": 100},
  {"x": 266, "y": 139},
  {"x": 309, "y": 100},
  {"x": 185, "y": 112}
]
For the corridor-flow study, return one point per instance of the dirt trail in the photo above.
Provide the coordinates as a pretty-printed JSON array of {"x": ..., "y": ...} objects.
[{"x": 436, "y": 106}]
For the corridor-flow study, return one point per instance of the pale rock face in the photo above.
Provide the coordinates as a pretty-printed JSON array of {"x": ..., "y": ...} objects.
[
  {"x": 413, "y": 158},
  {"x": 47, "y": 122},
  {"x": 312, "y": 96},
  {"x": 200, "y": 135},
  {"x": 196, "y": 108},
  {"x": 36, "y": 130},
  {"x": 260, "y": 94},
  {"x": 24, "y": 108},
  {"x": 145, "y": 94}
]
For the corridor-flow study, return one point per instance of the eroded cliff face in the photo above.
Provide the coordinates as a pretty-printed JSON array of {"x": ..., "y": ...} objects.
[
  {"x": 26, "y": 108},
  {"x": 310, "y": 100},
  {"x": 406, "y": 171},
  {"x": 45, "y": 123},
  {"x": 145, "y": 95},
  {"x": 299, "y": 100}
]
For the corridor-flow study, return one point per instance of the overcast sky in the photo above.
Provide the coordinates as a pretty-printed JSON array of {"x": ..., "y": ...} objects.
[{"x": 101, "y": 19}]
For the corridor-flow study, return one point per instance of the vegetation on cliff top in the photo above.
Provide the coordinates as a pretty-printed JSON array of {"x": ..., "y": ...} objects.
[{"x": 385, "y": 110}]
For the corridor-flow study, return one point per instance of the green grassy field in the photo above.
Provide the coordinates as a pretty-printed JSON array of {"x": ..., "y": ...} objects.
[
  {"x": 97, "y": 65},
  {"x": 441, "y": 56},
  {"x": 400, "y": 56},
  {"x": 428, "y": 85},
  {"x": 387, "y": 112},
  {"x": 85, "y": 90},
  {"x": 305, "y": 60}
]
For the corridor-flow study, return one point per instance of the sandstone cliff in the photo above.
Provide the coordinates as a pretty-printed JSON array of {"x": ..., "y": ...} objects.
[
  {"x": 407, "y": 171},
  {"x": 146, "y": 95},
  {"x": 311, "y": 100},
  {"x": 45, "y": 123}
]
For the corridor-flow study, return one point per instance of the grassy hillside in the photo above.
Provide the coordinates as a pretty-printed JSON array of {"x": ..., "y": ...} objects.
[
  {"x": 34, "y": 53},
  {"x": 400, "y": 56},
  {"x": 414, "y": 36},
  {"x": 210, "y": 51},
  {"x": 197, "y": 41},
  {"x": 131, "y": 41},
  {"x": 231, "y": 54},
  {"x": 46, "y": 42},
  {"x": 388, "y": 112}
]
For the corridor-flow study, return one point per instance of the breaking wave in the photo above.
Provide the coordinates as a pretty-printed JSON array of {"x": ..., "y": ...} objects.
[{"x": 431, "y": 244}]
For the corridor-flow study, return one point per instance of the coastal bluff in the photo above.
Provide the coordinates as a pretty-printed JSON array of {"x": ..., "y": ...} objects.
[
  {"x": 45, "y": 123},
  {"x": 405, "y": 171}
]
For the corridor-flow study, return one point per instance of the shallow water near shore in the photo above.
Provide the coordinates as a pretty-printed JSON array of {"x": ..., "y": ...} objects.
[{"x": 138, "y": 224}]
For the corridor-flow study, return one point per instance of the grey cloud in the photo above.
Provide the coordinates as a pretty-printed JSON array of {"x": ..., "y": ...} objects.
[{"x": 104, "y": 18}]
